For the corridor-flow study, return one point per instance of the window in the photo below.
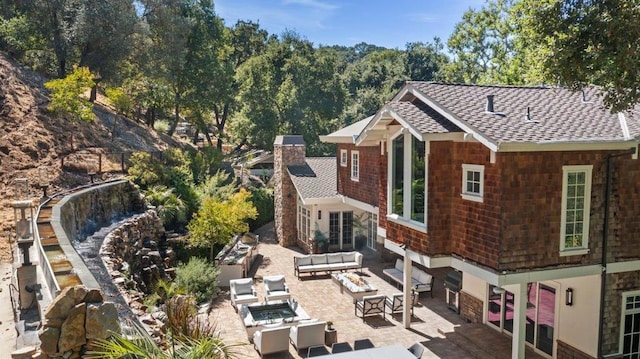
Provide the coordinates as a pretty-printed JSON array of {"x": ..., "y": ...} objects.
[
  {"x": 334, "y": 228},
  {"x": 343, "y": 158},
  {"x": 417, "y": 180},
  {"x": 408, "y": 161},
  {"x": 397, "y": 172},
  {"x": 473, "y": 182},
  {"x": 347, "y": 229},
  {"x": 355, "y": 163},
  {"x": 576, "y": 202},
  {"x": 304, "y": 224},
  {"x": 630, "y": 325},
  {"x": 372, "y": 230}
]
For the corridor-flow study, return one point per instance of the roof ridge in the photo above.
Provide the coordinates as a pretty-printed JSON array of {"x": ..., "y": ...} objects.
[{"x": 531, "y": 87}]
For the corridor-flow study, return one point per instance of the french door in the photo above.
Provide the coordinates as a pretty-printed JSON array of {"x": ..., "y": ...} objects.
[{"x": 341, "y": 230}]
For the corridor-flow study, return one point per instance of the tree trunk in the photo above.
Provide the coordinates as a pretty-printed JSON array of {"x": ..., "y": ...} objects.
[
  {"x": 176, "y": 119},
  {"x": 220, "y": 125}
]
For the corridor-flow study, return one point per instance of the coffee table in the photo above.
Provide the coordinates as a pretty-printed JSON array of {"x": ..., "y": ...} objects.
[{"x": 353, "y": 285}]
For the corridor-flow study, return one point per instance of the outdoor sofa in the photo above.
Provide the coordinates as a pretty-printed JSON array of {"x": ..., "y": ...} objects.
[
  {"x": 327, "y": 262},
  {"x": 420, "y": 280}
]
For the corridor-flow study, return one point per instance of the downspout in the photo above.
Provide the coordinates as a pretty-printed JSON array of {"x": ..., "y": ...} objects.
[{"x": 605, "y": 230}]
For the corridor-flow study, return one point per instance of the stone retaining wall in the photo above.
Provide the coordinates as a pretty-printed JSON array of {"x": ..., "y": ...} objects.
[
  {"x": 137, "y": 255},
  {"x": 74, "y": 321}
]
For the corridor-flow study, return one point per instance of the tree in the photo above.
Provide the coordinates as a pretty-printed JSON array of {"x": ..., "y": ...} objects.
[
  {"x": 577, "y": 43},
  {"x": 424, "y": 61},
  {"x": 290, "y": 88},
  {"x": 218, "y": 221},
  {"x": 66, "y": 95},
  {"x": 95, "y": 34},
  {"x": 484, "y": 47}
]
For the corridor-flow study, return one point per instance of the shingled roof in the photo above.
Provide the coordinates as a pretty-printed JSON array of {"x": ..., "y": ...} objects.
[
  {"x": 555, "y": 114},
  {"x": 316, "y": 179}
]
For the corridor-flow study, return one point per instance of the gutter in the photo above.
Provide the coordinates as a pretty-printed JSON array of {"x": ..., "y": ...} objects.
[{"x": 605, "y": 230}]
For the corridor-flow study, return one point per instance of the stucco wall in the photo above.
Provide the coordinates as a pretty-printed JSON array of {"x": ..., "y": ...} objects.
[{"x": 578, "y": 323}]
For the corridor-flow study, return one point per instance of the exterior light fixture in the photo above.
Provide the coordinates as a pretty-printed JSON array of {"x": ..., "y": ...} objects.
[{"x": 569, "y": 297}]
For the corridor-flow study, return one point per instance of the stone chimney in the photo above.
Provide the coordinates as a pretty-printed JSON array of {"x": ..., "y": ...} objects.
[{"x": 287, "y": 151}]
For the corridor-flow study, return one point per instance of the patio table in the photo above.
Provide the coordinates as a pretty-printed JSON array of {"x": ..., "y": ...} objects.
[{"x": 391, "y": 351}]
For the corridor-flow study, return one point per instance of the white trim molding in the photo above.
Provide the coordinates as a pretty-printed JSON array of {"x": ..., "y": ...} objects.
[{"x": 576, "y": 201}]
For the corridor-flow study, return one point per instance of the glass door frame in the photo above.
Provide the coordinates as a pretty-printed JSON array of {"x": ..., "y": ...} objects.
[{"x": 501, "y": 306}]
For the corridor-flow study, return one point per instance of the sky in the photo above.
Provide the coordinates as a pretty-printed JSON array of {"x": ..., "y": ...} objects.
[{"x": 387, "y": 23}]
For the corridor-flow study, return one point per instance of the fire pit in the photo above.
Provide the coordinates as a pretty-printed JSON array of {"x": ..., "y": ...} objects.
[
  {"x": 354, "y": 285},
  {"x": 257, "y": 315}
]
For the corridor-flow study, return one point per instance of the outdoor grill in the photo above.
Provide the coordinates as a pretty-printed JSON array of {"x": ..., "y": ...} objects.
[{"x": 452, "y": 285}]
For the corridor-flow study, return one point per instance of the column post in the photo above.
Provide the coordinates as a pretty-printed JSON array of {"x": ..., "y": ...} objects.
[{"x": 519, "y": 322}]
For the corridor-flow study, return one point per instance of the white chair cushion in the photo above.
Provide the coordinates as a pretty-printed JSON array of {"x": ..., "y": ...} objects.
[
  {"x": 349, "y": 257},
  {"x": 319, "y": 259},
  {"x": 244, "y": 288},
  {"x": 304, "y": 261},
  {"x": 334, "y": 258}
]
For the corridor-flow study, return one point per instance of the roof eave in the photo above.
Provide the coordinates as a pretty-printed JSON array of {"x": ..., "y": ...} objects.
[{"x": 584, "y": 145}]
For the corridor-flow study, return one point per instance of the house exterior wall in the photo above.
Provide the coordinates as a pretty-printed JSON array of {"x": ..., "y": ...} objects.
[
  {"x": 366, "y": 188},
  {"x": 517, "y": 226},
  {"x": 617, "y": 283},
  {"x": 472, "y": 298},
  {"x": 577, "y": 324},
  {"x": 475, "y": 227}
]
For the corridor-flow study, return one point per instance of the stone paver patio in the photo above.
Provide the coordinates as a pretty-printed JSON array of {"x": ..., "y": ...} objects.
[{"x": 321, "y": 298}]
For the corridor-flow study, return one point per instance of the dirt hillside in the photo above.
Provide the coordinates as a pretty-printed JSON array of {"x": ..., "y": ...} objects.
[{"x": 31, "y": 137}]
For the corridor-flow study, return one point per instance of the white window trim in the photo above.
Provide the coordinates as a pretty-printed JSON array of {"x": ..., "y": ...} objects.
[
  {"x": 468, "y": 195},
  {"x": 623, "y": 311},
  {"x": 355, "y": 164},
  {"x": 343, "y": 158},
  {"x": 405, "y": 218},
  {"x": 588, "y": 169}
]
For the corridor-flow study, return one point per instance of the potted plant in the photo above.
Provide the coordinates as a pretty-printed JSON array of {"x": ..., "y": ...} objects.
[
  {"x": 329, "y": 325},
  {"x": 360, "y": 240},
  {"x": 320, "y": 241},
  {"x": 415, "y": 295}
]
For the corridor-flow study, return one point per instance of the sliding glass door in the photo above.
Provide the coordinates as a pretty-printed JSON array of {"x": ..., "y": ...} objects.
[{"x": 540, "y": 314}]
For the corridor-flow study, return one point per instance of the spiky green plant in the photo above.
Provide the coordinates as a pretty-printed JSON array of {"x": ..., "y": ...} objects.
[
  {"x": 170, "y": 207},
  {"x": 137, "y": 344}
]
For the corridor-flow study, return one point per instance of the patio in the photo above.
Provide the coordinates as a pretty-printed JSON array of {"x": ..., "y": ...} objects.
[{"x": 443, "y": 333}]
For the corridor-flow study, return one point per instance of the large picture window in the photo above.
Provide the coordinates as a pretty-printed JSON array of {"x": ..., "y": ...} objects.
[
  {"x": 576, "y": 203},
  {"x": 408, "y": 178},
  {"x": 397, "y": 181}
]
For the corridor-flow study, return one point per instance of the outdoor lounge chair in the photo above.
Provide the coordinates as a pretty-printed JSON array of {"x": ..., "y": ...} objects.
[
  {"x": 272, "y": 340},
  {"x": 276, "y": 287},
  {"x": 370, "y": 305},
  {"x": 307, "y": 334},
  {"x": 395, "y": 303},
  {"x": 242, "y": 292}
]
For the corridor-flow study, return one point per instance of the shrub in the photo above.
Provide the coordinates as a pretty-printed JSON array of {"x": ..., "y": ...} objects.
[
  {"x": 262, "y": 199},
  {"x": 198, "y": 278}
]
